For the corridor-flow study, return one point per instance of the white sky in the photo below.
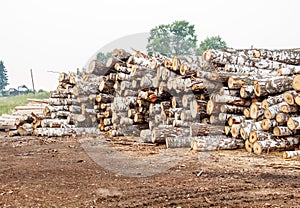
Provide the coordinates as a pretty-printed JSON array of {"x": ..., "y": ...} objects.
[{"x": 61, "y": 35}]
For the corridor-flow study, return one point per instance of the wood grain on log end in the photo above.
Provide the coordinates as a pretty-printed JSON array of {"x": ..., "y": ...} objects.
[
  {"x": 296, "y": 82},
  {"x": 248, "y": 146},
  {"x": 257, "y": 148}
]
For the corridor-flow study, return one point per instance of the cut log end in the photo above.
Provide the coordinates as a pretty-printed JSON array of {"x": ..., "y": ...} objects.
[
  {"x": 289, "y": 98},
  {"x": 252, "y": 137},
  {"x": 276, "y": 131},
  {"x": 268, "y": 114},
  {"x": 243, "y": 133},
  {"x": 248, "y": 146},
  {"x": 210, "y": 107},
  {"x": 183, "y": 68},
  {"x": 257, "y": 148},
  {"x": 291, "y": 124},
  {"x": 256, "y": 54},
  {"x": 246, "y": 113},
  {"x": 254, "y": 111},
  {"x": 265, "y": 124},
  {"x": 227, "y": 130},
  {"x": 264, "y": 104},
  {"x": 230, "y": 82},
  {"x": 207, "y": 55},
  {"x": 193, "y": 108},
  {"x": 257, "y": 89},
  {"x": 235, "y": 130},
  {"x": 296, "y": 82}
]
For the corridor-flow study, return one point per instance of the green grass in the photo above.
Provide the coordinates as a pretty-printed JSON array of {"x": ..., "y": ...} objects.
[{"x": 7, "y": 104}]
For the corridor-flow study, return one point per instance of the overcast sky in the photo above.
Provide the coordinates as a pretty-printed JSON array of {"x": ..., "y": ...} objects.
[{"x": 61, "y": 35}]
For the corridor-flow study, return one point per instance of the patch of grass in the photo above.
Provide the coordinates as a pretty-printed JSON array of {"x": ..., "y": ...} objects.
[{"x": 7, "y": 104}]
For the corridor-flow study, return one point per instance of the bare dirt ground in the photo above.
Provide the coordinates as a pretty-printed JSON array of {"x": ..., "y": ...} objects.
[{"x": 57, "y": 172}]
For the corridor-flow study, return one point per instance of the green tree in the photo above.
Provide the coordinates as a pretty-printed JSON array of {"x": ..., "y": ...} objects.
[
  {"x": 214, "y": 42},
  {"x": 177, "y": 38},
  {"x": 3, "y": 76},
  {"x": 103, "y": 56}
]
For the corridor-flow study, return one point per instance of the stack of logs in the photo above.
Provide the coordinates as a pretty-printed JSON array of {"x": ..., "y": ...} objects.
[
  {"x": 259, "y": 102},
  {"x": 226, "y": 99},
  {"x": 231, "y": 99},
  {"x": 149, "y": 96},
  {"x": 19, "y": 122},
  {"x": 50, "y": 117},
  {"x": 55, "y": 116}
]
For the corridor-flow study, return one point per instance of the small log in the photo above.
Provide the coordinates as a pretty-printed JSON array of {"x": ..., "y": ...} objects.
[
  {"x": 212, "y": 107},
  {"x": 275, "y": 144},
  {"x": 248, "y": 146},
  {"x": 248, "y": 126},
  {"x": 178, "y": 142},
  {"x": 60, "y": 114},
  {"x": 286, "y": 108},
  {"x": 160, "y": 133},
  {"x": 247, "y": 91},
  {"x": 235, "y": 119},
  {"x": 289, "y": 154},
  {"x": 106, "y": 86},
  {"x": 176, "y": 102},
  {"x": 283, "y": 117},
  {"x": 231, "y": 100},
  {"x": 272, "y": 111},
  {"x": 267, "y": 124},
  {"x": 289, "y": 97},
  {"x": 97, "y": 68},
  {"x": 231, "y": 92},
  {"x": 49, "y": 109},
  {"x": 236, "y": 82},
  {"x": 255, "y": 110},
  {"x": 24, "y": 131},
  {"x": 235, "y": 130},
  {"x": 199, "y": 129},
  {"x": 272, "y": 85},
  {"x": 246, "y": 112},
  {"x": 186, "y": 99},
  {"x": 54, "y": 132},
  {"x": 216, "y": 142},
  {"x": 272, "y": 100},
  {"x": 248, "y": 70},
  {"x": 146, "y": 135},
  {"x": 181, "y": 123},
  {"x": 13, "y": 133},
  {"x": 259, "y": 136},
  {"x": 293, "y": 123},
  {"x": 232, "y": 109},
  {"x": 186, "y": 115},
  {"x": 281, "y": 55},
  {"x": 104, "y": 98},
  {"x": 282, "y": 131}
]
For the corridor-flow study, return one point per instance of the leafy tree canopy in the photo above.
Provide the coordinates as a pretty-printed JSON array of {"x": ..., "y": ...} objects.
[
  {"x": 214, "y": 42},
  {"x": 177, "y": 38},
  {"x": 103, "y": 56},
  {"x": 3, "y": 76}
]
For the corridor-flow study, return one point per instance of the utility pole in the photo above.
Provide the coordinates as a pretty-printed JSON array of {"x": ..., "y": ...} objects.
[{"x": 32, "y": 81}]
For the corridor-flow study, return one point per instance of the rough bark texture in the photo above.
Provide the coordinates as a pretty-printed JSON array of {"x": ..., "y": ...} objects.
[
  {"x": 212, "y": 143},
  {"x": 275, "y": 144}
]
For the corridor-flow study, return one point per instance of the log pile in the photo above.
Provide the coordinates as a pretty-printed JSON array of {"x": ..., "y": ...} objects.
[
  {"x": 258, "y": 100},
  {"x": 150, "y": 96},
  {"x": 226, "y": 99},
  {"x": 56, "y": 119},
  {"x": 20, "y": 122},
  {"x": 50, "y": 117}
]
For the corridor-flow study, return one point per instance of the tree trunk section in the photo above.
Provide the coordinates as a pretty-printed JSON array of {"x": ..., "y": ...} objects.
[
  {"x": 216, "y": 142},
  {"x": 275, "y": 145}
]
